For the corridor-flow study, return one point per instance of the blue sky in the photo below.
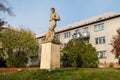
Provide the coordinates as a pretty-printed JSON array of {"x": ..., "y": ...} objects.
[{"x": 34, "y": 14}]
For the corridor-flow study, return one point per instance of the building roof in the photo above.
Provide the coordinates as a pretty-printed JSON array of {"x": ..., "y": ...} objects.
[{"x": 84, "y": 22}]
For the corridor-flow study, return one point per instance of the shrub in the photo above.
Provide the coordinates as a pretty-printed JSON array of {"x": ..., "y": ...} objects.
[
  {"x": 16, "y": 60},
  {"x": 2, "y": 62},
  {"x": 18, "y": 44},
  {"x": 90, "y": 58},
  {"x": 111, "y": 65},
  {"x": 77, "y": 54}
]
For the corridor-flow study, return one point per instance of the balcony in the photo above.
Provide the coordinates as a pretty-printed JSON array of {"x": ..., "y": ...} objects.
[{"x": 82, "y": 36}]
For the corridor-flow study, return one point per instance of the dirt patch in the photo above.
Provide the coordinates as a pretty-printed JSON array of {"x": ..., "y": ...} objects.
[{"x": 12, "y": 70}]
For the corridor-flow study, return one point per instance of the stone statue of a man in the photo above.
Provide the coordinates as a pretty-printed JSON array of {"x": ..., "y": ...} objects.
[{"x": 54, "y": 17}]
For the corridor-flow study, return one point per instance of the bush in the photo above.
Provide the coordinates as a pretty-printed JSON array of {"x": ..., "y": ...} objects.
[
  {"x": 2, "y": 62},
  {"x": 111, "y": 65},
  {"x": 18, "y": 44},
  {"x": 90, "y": 58},
  {"x": 77, "y": 54},
  {"x": 16, "y": 60}
]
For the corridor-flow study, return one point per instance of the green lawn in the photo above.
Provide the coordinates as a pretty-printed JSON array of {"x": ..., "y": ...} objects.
[{"x": 69, "y": 74}]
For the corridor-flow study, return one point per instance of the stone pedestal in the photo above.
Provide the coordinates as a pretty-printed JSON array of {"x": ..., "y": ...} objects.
[{"x": 50, "y": 55}]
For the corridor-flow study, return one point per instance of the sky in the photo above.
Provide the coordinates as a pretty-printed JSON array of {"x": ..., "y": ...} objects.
[{"x": 34, "y": 14}]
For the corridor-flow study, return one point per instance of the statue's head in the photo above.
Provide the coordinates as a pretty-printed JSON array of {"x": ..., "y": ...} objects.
[{"x": 52, "y": 10}]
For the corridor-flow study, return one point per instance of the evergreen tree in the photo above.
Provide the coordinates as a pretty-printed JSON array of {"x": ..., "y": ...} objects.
[{"x": 78, "y": 54}]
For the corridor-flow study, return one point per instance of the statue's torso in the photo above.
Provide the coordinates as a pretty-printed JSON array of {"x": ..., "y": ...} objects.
[{"x": 53, "y": 20}]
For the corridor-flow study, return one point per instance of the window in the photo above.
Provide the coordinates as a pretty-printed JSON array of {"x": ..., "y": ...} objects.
[
  {"x": 98, "y": 27},
  {"x": 100, "y": 40},
  {"x": 85, "y": 31},
  {"x": 101, "y": 54},
  {"x": 58, "y": 36},
  {"x": 77, "y": 31},
  {"x": 67, "y": 35},
  {"x": 76, "y": 34}
]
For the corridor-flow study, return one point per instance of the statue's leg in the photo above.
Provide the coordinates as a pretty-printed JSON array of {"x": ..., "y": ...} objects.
[
  {"x": 46, "y": 38},
  {"x": 53, "y": 33},
  {"x": 51, "y": 29},
  {"x": 47, "y": 35}
]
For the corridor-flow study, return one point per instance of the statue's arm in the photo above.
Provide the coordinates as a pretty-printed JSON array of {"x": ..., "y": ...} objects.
[
  {"x": 57, "y": 17},
  {"x": 52, "y": 17}
]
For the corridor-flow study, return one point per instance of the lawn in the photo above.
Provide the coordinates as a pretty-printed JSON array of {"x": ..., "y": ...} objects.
[{"x": 66, "y": 74}]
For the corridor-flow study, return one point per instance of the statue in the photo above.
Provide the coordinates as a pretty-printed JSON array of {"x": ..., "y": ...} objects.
[
  {"x": 50, "y": 53},
  {"x": 54, "y": 17}
]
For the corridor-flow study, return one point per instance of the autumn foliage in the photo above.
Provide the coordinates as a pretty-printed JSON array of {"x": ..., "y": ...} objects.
[{"x": 116, "y": 44}]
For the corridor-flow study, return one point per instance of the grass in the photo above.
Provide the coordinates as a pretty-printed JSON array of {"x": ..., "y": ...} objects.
[{"x": 67, "y": 74}]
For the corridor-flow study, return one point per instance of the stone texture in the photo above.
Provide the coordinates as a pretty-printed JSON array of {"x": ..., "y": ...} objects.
[{"x": 50, "y": 56}]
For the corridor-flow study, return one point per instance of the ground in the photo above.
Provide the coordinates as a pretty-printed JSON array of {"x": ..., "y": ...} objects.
[{"x": 63, "y": 74}]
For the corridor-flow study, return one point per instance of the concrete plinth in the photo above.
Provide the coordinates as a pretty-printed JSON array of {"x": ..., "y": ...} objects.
[{"x": 50, "y": 55}]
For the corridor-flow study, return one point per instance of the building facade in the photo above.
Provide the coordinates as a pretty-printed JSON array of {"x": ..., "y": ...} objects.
[{"x": 97, "y": 30}]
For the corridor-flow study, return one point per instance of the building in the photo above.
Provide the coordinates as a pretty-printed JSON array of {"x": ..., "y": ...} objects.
[{"x": 97, "y": 30}]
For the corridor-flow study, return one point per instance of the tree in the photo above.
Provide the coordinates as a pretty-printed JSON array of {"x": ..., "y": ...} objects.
[
  {"x": 2, "y": 62},
  {"x": 18, "y": 45},
  {"x": 90, "y": 58},
  {"x": 1, "y": 23},
  {"x": 77, "y": 54},
  {"x": 5, "y": 7},
  {"x": 116, "y": 44}
]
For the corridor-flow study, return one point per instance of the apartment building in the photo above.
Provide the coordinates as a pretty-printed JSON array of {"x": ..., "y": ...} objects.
[{"x": 97, "y": 30}]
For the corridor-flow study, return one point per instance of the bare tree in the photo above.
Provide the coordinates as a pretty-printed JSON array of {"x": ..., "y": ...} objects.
[{"x": 5, "y": 7}]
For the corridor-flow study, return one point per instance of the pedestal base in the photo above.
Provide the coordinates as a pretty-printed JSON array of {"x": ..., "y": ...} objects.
[{"x": 50, "y": 55}]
